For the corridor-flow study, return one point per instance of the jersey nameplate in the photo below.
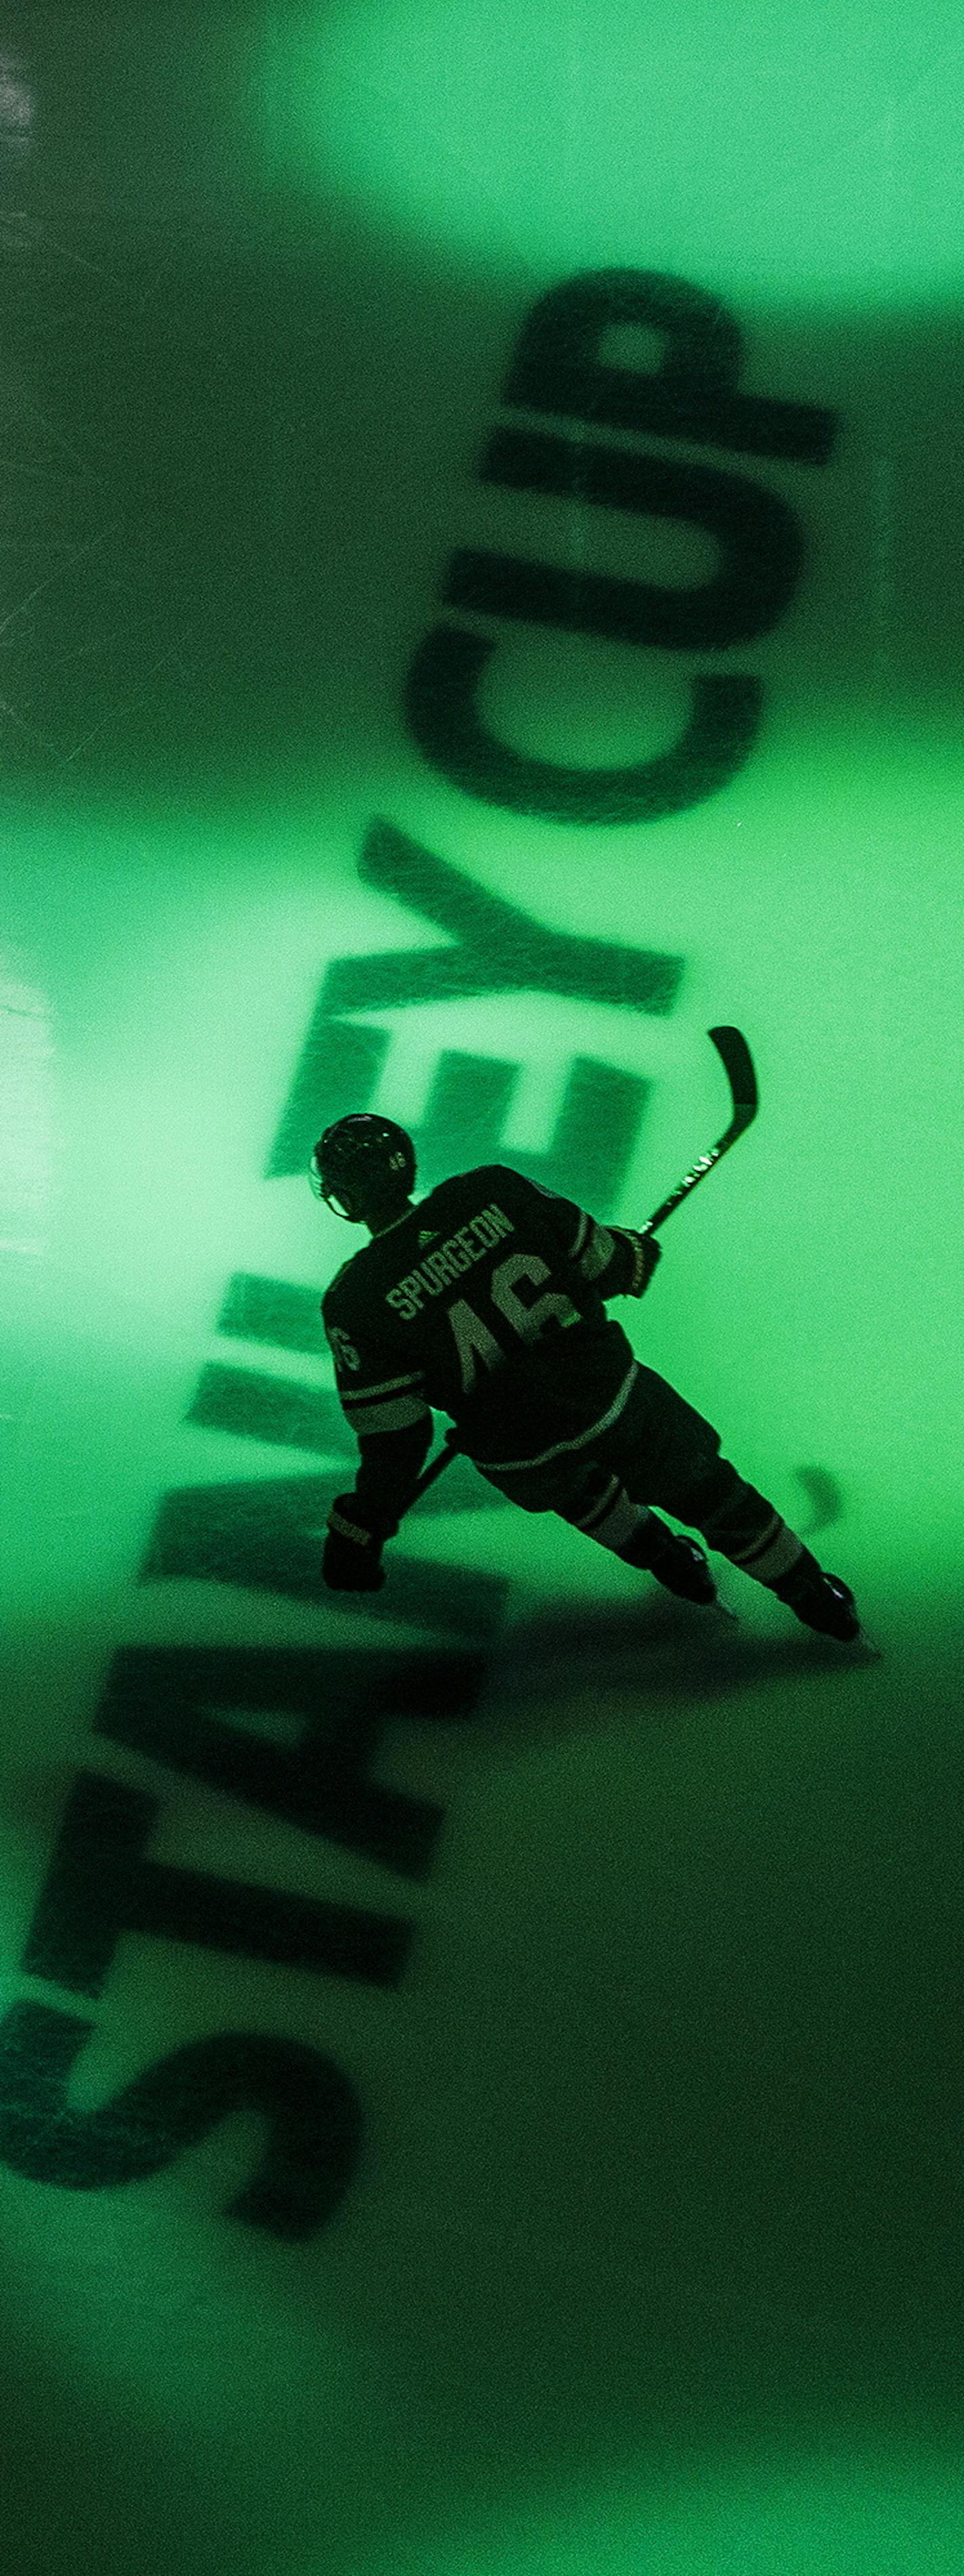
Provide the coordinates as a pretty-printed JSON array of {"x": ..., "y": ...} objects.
[{"x": 455, "y": 1255}]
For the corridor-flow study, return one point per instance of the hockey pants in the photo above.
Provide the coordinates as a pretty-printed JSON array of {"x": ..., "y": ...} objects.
[{"x": 660, "y": 1451}]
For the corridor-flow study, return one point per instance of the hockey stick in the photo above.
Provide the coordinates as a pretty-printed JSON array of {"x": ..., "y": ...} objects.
[
  {"x": 738, "y": 1062},
  {"x": 732, "y": 1047}
]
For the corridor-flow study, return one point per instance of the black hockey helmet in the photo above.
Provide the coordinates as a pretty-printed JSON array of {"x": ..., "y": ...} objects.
[{"x": 367, "y": 1162}]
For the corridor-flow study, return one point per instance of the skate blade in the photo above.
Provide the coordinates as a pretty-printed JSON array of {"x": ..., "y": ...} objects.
[
  {"x": 859, "y": 1649},
  {"x": 867, "y": 1648}
]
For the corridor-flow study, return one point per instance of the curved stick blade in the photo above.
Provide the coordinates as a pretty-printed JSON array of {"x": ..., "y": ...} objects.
[{"x": 731, "y": 1047}]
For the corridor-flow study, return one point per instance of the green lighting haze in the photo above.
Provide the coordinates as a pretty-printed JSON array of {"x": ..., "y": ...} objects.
[{"x": 649, "y": 2262}]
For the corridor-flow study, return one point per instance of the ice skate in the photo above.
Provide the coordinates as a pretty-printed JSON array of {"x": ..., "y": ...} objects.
[
  {"x": 679, "y": 1564},
  {"x": 823, "y": 1602}
]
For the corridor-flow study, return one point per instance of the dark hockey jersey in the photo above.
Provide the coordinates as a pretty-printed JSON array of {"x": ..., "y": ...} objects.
[{"x": 484, "y": 1302}]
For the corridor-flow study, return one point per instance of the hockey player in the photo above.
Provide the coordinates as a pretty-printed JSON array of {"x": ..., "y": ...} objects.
[{"x": 486, "y": 1302}]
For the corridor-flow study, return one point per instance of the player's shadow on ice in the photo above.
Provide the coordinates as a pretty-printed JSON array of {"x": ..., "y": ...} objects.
[
  {"x": 661, "y": 1653},
  {"x": 662, "y": 1650}
]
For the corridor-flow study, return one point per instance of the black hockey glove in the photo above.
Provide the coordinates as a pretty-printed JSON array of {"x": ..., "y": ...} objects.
[{"x": 352, "y": 1561}]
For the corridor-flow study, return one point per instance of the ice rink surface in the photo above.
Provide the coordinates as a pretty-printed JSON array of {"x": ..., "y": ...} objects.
[{"x": 480, "y": 2063}]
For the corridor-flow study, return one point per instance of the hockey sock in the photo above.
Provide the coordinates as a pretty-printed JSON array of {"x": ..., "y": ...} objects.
[
  {"x": 613, "y": 1520},
  {"x": 801, "y": 1575},
  {"x": 782, "y": 1564},
  {"x": 777, "y": 1558}
]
